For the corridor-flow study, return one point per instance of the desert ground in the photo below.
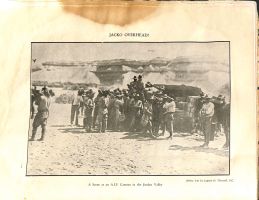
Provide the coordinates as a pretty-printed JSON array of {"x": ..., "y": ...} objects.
[{"x": 70, "y": 150}]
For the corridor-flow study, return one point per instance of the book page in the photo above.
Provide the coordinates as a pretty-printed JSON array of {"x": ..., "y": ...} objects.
[{"x": 122, "y": 100}]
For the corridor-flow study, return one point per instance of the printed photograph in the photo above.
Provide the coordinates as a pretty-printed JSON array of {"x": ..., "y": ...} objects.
[{"x": 129, "y": 108}]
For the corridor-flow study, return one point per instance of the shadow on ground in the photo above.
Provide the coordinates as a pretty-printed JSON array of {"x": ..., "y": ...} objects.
[
  {"x": 219, "y": 152},
  {"x": 139, "y": 136}
]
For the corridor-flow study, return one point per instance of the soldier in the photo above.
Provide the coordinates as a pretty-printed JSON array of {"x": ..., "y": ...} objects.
[
  {"x": 169, "y": 109},
  {"x": 96, "y": 107},
  {"x": 224, "y": 119},
  {"x": 34, "y": 96},
  {"x": 76, "y": 103},
  {"x": 133, "y": 85},
  {"x": 146, "y": 119},
  {"x": 131, "y": 114},
  {"x": 103, "y": 112},
  {"x": 216, "y": 118},
  {"x": 85, "y": 99},
  {"x": 157, "y": 114},
  {"x": 43, "y": 103},
  {"x": 126, "y": 109},
  {"x": 137, "y": 113},
  {"x": 81, "y": 109},
  {"x": 206, "y": 113},
  {"x": 226, "y": 122},
  {"x": 197, "y": 125},
  {"x": 111, "y": 111},
  {"x": 118, "y": 103},
  {"x": 88, "y": 113},
  {"x": 140, "y": 87}
]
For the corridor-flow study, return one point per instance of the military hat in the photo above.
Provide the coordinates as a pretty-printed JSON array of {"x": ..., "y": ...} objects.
[
  {"x": 202, "y": 94},
  {"x": 159, "y": 93},
  {"x": 206, "y": 97}
]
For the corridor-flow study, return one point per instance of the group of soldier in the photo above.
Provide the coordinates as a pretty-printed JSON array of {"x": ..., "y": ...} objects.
[
  {"x": 142, "y": 110},
  {"x": 137, "y": 109}
]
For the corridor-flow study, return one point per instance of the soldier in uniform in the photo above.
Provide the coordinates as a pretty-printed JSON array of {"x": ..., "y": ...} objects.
[
  {"x": 206, "y": 113},
  {"x": 157, "y": 114},
  {"x": 197, "y": 124},
  {"x": 34, "y": 95},
  {"x": 103, "y": 112},
  {"x": 140, "y": 87},
  {"x": 88, "y": 112},
  {"x": 76, "y": 104},
  {"x": 131, "y": 114},
  {"x": 118, "y": 103},
  {"x": 169, "y": 109},
  {"x": 146, "y": 119},
  {"x": 43, "y": 103},
  {"x": 96, "y": 107},
  {"x": 85, "y": 99},
  {"x": 111, "y": 111},
  {"x": 226, "y": 123},
  {"x": 126, "y": 109},
  {"x": 137, "y": 113}
]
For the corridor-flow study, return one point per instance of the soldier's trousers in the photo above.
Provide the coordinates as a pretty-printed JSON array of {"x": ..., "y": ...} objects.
[
  {"x": 88, "y": 120},
  {"x": 39, "y": 120},
  {"x": 169, "y": 123},
  {"x": 102, "y": 118},
  {"x": 74, "y": 114},
  {"x": 95, "y": 116},
  {"x": 156, "y": 124},
  {"x": 206, "y": 129}
]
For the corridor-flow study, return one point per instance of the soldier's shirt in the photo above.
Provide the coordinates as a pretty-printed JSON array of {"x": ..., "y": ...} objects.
[
  {"x": 77, "y": 100},
  {"x": 118, "y": 103},
  {"x": 43, "y": 104},
  {"x": 207, "y": 109},
  {"x": 169, "y": 107}
]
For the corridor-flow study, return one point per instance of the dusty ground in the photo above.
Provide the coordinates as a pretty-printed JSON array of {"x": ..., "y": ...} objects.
[{"x": 71, "y": 151}]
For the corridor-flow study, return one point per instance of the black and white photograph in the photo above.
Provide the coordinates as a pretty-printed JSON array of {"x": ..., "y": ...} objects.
[{"x": 129, "y": 108}]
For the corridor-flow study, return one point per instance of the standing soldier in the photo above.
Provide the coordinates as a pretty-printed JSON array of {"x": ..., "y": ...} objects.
[
  {"x": 133, "y": 84},
  {"x": 157, "y": 114},
  {"x": 206, "y": 113},
  {"x": 126, "y": 109},
  {"x": 131, "y": 113},
  {"x": 169, "y": 109},
  {"x": 43, "y": 103},
  {"x": 103, "y": 112},
  {"x": 111, "y": 112},
  {"x": 96, "y": 107},
  {"x": 34, "y": 96},
  {"x": 85, "y": 99},
  {"x": 76, "y": 103},
  {"x": 137, "y": 112},
  {"x": 224, "y": 119},
  {"x": 140, "y": 87},
  {"x": 146, "y": 120},
  {"x": 118, "y": 103},
  {"x": 197, "y": 124},
  {"x": 89, "y": 112}
]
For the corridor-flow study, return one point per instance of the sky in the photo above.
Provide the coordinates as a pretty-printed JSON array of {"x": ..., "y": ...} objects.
[{"x": 216, "y": 51}]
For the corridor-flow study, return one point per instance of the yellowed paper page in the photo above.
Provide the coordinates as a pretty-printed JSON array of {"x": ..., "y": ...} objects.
[{"x": 179, "y": 52}]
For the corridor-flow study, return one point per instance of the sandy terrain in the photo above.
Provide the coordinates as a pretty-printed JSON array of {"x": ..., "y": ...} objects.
[{"x": 71, "y": 151}]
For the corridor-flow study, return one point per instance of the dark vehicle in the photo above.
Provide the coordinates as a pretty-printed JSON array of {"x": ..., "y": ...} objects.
[{"x": 186, "y": 98}]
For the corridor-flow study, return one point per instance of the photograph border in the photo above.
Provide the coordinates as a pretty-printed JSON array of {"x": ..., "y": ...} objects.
[{"x": 187, "y": 175}]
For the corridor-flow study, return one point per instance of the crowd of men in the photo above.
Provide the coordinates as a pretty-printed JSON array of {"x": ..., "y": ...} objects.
[
  {"x": 140, "y": 109},
  {"x": 136, "y": 109}
]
